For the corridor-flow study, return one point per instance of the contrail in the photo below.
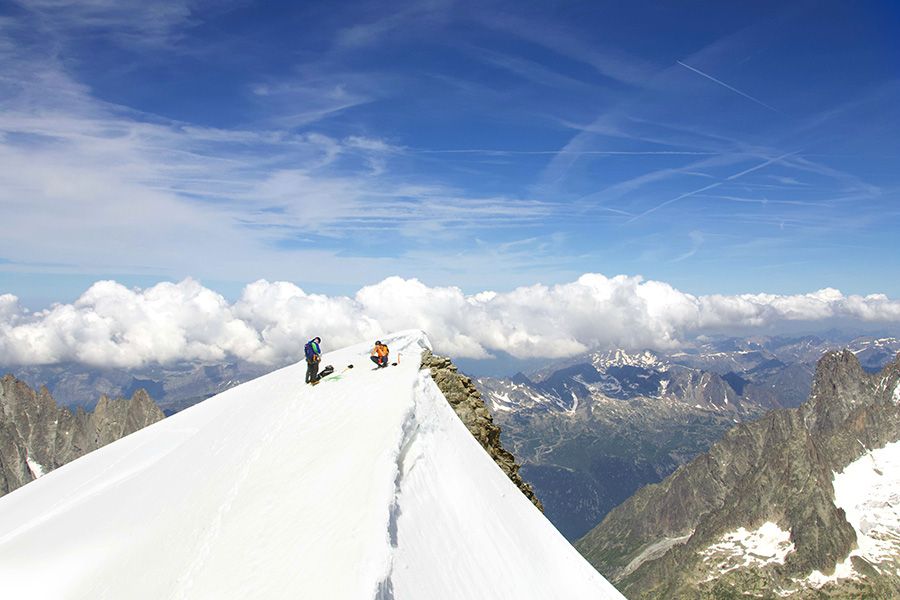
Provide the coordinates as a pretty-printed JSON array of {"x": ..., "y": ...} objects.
[
  {"x": 730, "y": 88},
  {"x": 765, "y": 164},
  {"x": 667, "y": 202},
  {"x": 712, "y": 185},
  {"x": 576, "y": 152}
]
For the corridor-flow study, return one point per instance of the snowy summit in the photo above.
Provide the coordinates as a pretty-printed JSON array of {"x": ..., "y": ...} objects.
[{"x": 364, "y": 486}]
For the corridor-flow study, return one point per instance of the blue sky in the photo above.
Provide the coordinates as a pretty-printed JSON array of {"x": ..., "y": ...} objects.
[{"x": 722, "y": 148}]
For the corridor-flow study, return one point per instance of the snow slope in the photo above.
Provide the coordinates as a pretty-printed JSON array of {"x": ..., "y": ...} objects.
[
  {"x": 869, "y": 492},
  {"x": 363, "y": 487}
]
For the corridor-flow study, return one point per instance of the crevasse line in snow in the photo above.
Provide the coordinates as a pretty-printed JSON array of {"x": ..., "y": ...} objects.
[{"x": 410, "y": 433}]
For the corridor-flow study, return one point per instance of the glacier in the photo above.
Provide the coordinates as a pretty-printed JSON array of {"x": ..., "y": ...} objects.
[{"x": 366, "y": 486}]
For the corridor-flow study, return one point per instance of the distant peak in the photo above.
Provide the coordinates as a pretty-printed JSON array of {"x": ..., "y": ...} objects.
[{"x": 840, "y": 384}]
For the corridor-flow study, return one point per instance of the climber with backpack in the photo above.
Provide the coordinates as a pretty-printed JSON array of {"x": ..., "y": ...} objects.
[{"x": 313, "y": 356}]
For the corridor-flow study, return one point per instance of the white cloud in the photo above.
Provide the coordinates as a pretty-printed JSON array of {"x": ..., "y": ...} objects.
[
  {"x": 285, "y": 317},
  {"x": 180, "y": 199},
  {"x": 111, "y": 325},
  {"x": 10, "y": 311},
  {"x": 87, "y": 186},
  {"x": 175, "y": 199}
]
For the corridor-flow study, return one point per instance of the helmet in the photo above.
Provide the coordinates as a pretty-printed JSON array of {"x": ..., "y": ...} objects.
[{"x": 378, "y": 343}]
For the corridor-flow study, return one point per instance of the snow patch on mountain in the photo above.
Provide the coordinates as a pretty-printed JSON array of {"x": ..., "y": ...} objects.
[
  {"x": 618, "y": 358},
  {"x": 763, "y": 546},
  {"x": 510, "y": 396},
  {"x": 869, "y": 492},
  {"x": 842, "y": 570},
  {"x": 36, "y": 469},
  {"x": 501, "y": 401}
]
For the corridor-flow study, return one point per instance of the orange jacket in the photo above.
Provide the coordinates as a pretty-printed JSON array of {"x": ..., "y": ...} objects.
[{"x": 380, "y": 350}]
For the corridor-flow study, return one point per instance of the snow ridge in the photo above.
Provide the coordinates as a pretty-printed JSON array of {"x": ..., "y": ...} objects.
[{"x": 364, "y": 487}]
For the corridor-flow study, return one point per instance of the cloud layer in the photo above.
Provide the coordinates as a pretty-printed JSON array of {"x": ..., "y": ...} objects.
[{"x": 112, "y": 325}]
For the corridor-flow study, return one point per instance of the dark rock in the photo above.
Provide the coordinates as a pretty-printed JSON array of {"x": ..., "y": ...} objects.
[
  {"x": 36, "y": 436},
  {"x": 465, "y": 399}
]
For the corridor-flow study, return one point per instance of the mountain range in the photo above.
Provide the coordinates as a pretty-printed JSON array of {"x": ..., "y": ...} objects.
[
  {"x": 799, "y": 504},
  {"x": 174, "y": 387},
  {"x": 592, "y": 430}
]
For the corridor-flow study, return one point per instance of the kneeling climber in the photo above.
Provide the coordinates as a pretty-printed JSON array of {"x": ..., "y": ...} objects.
[{"x": 380, "y": 355}]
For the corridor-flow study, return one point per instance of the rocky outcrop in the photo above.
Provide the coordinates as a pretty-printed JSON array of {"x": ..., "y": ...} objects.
[
  {"x": 114, "y": 419},
  {"x": 460, "y": 392},
  {"x": 36, "y": 436},
  {"x": 777, "y": 470}
]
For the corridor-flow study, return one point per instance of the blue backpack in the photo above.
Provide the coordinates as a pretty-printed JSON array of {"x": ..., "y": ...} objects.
[{"x": 310, "y": 352}]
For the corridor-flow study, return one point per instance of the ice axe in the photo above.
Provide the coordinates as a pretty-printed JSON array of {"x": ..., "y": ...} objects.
[
  {"x": 398, "y": 361},
  {"x": 345, "y": 370}
]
